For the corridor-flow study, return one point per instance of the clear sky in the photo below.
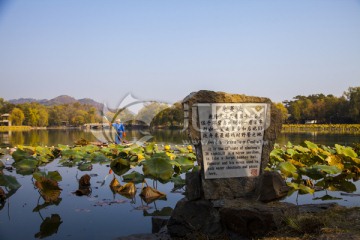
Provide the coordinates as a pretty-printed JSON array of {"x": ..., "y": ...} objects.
[{"x": 163, "y": 50}]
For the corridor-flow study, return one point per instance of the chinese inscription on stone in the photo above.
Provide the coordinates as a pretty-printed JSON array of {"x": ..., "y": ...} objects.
[{"x": 232, "y": 138}]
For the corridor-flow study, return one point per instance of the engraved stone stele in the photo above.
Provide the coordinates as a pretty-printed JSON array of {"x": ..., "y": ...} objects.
[{"x": 233, "y": 135}]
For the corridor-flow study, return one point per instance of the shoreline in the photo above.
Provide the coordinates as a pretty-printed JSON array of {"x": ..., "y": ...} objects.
[{"x": 286, "y": 128}]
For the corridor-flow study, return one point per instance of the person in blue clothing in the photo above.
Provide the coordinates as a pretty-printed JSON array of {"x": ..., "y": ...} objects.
[{"x": 120, "y": 130}]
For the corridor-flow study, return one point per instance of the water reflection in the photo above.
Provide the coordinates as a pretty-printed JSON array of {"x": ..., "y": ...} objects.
[{"x": 49, "y": 226}]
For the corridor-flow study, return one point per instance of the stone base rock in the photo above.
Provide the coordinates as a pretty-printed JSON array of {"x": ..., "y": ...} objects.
[
  {"x": 237, "y": 218},
  {"x": 191, "y": 217},
  {"x": 271, "y": 187}
]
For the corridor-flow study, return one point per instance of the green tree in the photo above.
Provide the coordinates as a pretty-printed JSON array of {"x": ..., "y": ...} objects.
[
  {"x": 353, "y": 96},
  {"x": 17, "y": 117}
]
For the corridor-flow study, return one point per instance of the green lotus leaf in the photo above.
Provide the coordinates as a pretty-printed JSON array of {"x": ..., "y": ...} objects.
[
  {"x": 311, "y": 145},
  {"x": 26, "y": 164},
  {"x": 53, "y": 175},
  {"x": 276, "y": 155},
  {"x": 191, "y": 156},
  {"x": 158, "y": 167},
  {"x": 150, "y": 148},
  {"x": 356, "y": 160},
  {"x": 301, "y": 149},
  {"x": 136, "y": 150},
  {"x": 347, "y": 151},
  {"x": 313, "y": 173},
  {"x": 85, "y": 167},
  {"x": 9, "y": 182},
  {"x": 184, "y": 163},
  {"x": 98, "y": 157},
  {"x": 134, "y": 177},
  {"x": 301, "y": 188},
  {"x": 20, "y": 155},
  {"x": 328, "y": 169},
  {"x": 120, "y": 166},
  {"x": 288, "y": 169},
  {"x": 342, "y": 185},
  {"x": 72, "y": 154},
  {"x": 63, "y": 147},
  {"x": 290, "y": 152},
  {"x": 182, "y": 149},
  {"x": 178, "y": 182},
  {"x": 289, "y": 145},
  {"x": 326, "y": 197}
]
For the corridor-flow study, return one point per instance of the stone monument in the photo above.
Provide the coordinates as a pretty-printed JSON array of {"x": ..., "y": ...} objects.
[{"x": 233, "y": 136}]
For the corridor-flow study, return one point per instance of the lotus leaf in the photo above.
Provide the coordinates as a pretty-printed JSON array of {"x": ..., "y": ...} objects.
[
  {"x": 326, "y": 197},
  {"x": 9, "y": 182},
  {"x": 191, "y": 156},
  {"x": 184, "y": 163},
  {"x": 301, "y": 149},
  {"x": 46, "y": 204},
  {"x": 114, "y": 184},
  {"x": 85, "y": 167},
  {"x": 20, "y": 155},
  {"x": 49, "y": 226},
  {"x": 134, "y": 177},
  {"x": 127, "y": 189},
  {"x": 52, "y": 175},
  {"x": 63, "y": 147},
  {"x": 288, "y": 169},
  {"x": 310, "y": 145},
  {"x": 120, "y": 166},
  {"x": 158, "y": 167},
  {"x": 301, "y": 188},
  {"x": 49, "y": 189},
  {"x": 150, "y": 148},
  {"x": 26, "y": 166},
  {"x": 178, "y": 182},
  {"x": 182, "y": 149},
  {"x": 335, "y": 160},
  {"x": 149, "y": 194},
  {"x": 98, "y": 157},
  {"x": 347, "y": 151}
]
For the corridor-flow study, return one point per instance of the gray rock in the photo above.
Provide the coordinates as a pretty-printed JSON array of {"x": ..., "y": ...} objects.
[
  {"x": 190, "y": 217},
  {"x": 271, "y": 187},
  {"x": 158, "y": 223},
  {"x": 247, "y": 218},
  {"x": 193, "y": 185}
]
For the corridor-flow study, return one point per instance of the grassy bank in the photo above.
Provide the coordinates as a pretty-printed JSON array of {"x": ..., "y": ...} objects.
[
  {"x": 14, "y": 128},
  {"x": 321, "y": 128}
]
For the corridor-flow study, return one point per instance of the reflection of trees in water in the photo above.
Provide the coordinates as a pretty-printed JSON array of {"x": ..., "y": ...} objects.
[
  {"x": 17, "y": 138},
  {"x": 168, "y": 136}
]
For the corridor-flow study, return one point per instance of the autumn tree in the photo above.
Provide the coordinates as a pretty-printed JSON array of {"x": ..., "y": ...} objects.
[{"x": 17, "y": 117}]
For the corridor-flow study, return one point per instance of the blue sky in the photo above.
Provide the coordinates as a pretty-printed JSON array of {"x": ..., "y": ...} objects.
[{"x": 163, "y": 50}]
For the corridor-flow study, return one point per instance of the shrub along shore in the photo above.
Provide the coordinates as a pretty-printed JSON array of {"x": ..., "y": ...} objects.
[
  {"x": 14, "y": 128},
  {"x": 321, "y": 128}
]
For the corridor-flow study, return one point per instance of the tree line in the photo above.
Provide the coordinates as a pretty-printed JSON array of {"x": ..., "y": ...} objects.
[
  {"x": 321, "y": 108},
  {"x": 37, "y": 115}
]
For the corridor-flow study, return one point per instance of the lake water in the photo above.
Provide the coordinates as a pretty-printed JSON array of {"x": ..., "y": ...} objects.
[{"x": 103, "y": 215}]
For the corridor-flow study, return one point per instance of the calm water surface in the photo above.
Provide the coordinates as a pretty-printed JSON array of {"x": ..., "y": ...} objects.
[{"x": 103, "y": 215}]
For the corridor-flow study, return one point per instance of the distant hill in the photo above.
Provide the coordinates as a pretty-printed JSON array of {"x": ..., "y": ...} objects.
[{"x": 62, "y": 99}]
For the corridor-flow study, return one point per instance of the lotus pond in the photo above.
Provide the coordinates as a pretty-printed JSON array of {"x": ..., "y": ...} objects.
[{"x": 105, "y": 192}]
